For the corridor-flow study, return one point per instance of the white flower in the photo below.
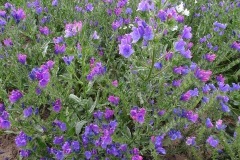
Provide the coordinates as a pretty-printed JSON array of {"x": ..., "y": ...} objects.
[
  {"x": 180, "y": 7},
  {"x": 174, "y": 28},
  {"x": 186, "y": 12}
]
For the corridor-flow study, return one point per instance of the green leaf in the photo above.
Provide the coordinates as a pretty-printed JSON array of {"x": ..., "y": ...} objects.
[
  {"x": 39, "y": 128},
  {"x": 79, "y": 126},
  {"x": 95, "y": 103},
  {"x": 45, "y": 47},
  {"x": 75, "y": 98}
]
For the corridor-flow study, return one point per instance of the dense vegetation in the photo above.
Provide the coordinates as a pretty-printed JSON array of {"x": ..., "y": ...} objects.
[{"x": 121, "y": 79}]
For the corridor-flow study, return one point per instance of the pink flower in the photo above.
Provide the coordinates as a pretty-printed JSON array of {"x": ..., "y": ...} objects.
[
  {"x": 203, "y": 75},
  {"x": 115, "y": 83}
]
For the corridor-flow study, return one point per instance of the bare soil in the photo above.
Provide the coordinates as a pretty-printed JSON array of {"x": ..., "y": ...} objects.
[{"x": 8, "y": 149}]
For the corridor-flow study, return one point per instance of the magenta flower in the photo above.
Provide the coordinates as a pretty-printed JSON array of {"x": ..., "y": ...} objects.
[
  {"x": 114, "y": 100},
  {"x": 203, "y": 75},
  {"x": 7, "y": 42},
  {"x": 22, "y": 58},
  {"x": 138, "y": 115},
  {"x": 15, "y": 95},
  {"x": 220, "y": 78},
  {"x": 44, "y": 30},
  {"x": 186, "y": 96},
  {"x": 210, "y": 57},
  {"x": 220, "y": 125},
  {"x": 115, "y": 83},
  {"x": 72, "y": 29}
]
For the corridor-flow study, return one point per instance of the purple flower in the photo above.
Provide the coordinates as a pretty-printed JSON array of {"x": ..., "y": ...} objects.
[
  {"x": 128, "y": 11},
  {"x": 114, "y": 100},
  {"x": 72, "y": 29},
  {"x": 115, "y": 83},
  {"x": 176, "y": 83},
  {"x": 224, "y": 108},
  {"x": 209, "y": 123},
  {"x": 145, "y": 5},
  {"x": 15, "y": 95},
  {"x": 186, "y": 96},
  {"x": 44, "y": 30},
  {"x": 7, "y": 42},
  {"x": 22, "y": 58},
  {"x": 219, "y": 125},
  {"x": 235, "y": 87},
  {"x": 212, "y": 142},
  {"x": 59, "y": 49},
  {"x": 179, "y": 45},
  {"x": 58, "y": 140},
  {"x": 95, "y": 35},
  {"x": 220, "y": 78},
  {"x": 54, "y": 3},
  {"x": 18, "y": 15},
  {"x": 59, "y": 155},
  {"x": 148, "y": 33},
  {"x": 62, "y": 126},
  {"x": 162, "y": 15},
  {"x": 89, "y": 7},
  {"x": 108, "y": 113},
  {"x": 186, "y": 53},
  {"x": 125, "y": 50},
  {"x": 203, "y": 75},
  {"x": 168, "y": 56},
  {"x": 161, "y": 112},
  {"x": 174, "y": 134},
  {"x": 75, "y": 146},
  {"x": 58, "y": 40},
  {"x": 158, "y": 65},
  {"x": 138, "y": 115},
  {"x": 210, "y": 57},
  {"x": 135, "y": 34},
  {"x": 68, "y": 59},
  {"x": 206, "y": 89},
  {"x": 191, "y": 116},
  {"x": 27, "y": 112},
  {"x": 25, "y": 153},
  {"x": 66, "y": 148},
  {"x": 186, "y": 33},
  {"x": 88, "y": 154},
  {"x": 21, "y": 139},
  {"x": 57, "y": 105},
  {"x": 98, "y": 69},
  {"x": 191, "y": 141},
  {"x": 194, "y": 92}
]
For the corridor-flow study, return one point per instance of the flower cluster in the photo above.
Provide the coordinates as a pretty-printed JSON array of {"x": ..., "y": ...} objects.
[{"x": 42, "y": 74}]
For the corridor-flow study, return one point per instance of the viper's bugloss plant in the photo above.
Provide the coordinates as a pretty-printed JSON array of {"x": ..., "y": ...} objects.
[{"x": 139, "y": 79}]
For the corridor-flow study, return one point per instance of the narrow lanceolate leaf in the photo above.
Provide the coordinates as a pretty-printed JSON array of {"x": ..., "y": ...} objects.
[
  {"x": 79, "y": 126},
  {"x": 75, "y": 98},
  {"x": 95, "y": 103},
  {"x": 45, "y": 47}
]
